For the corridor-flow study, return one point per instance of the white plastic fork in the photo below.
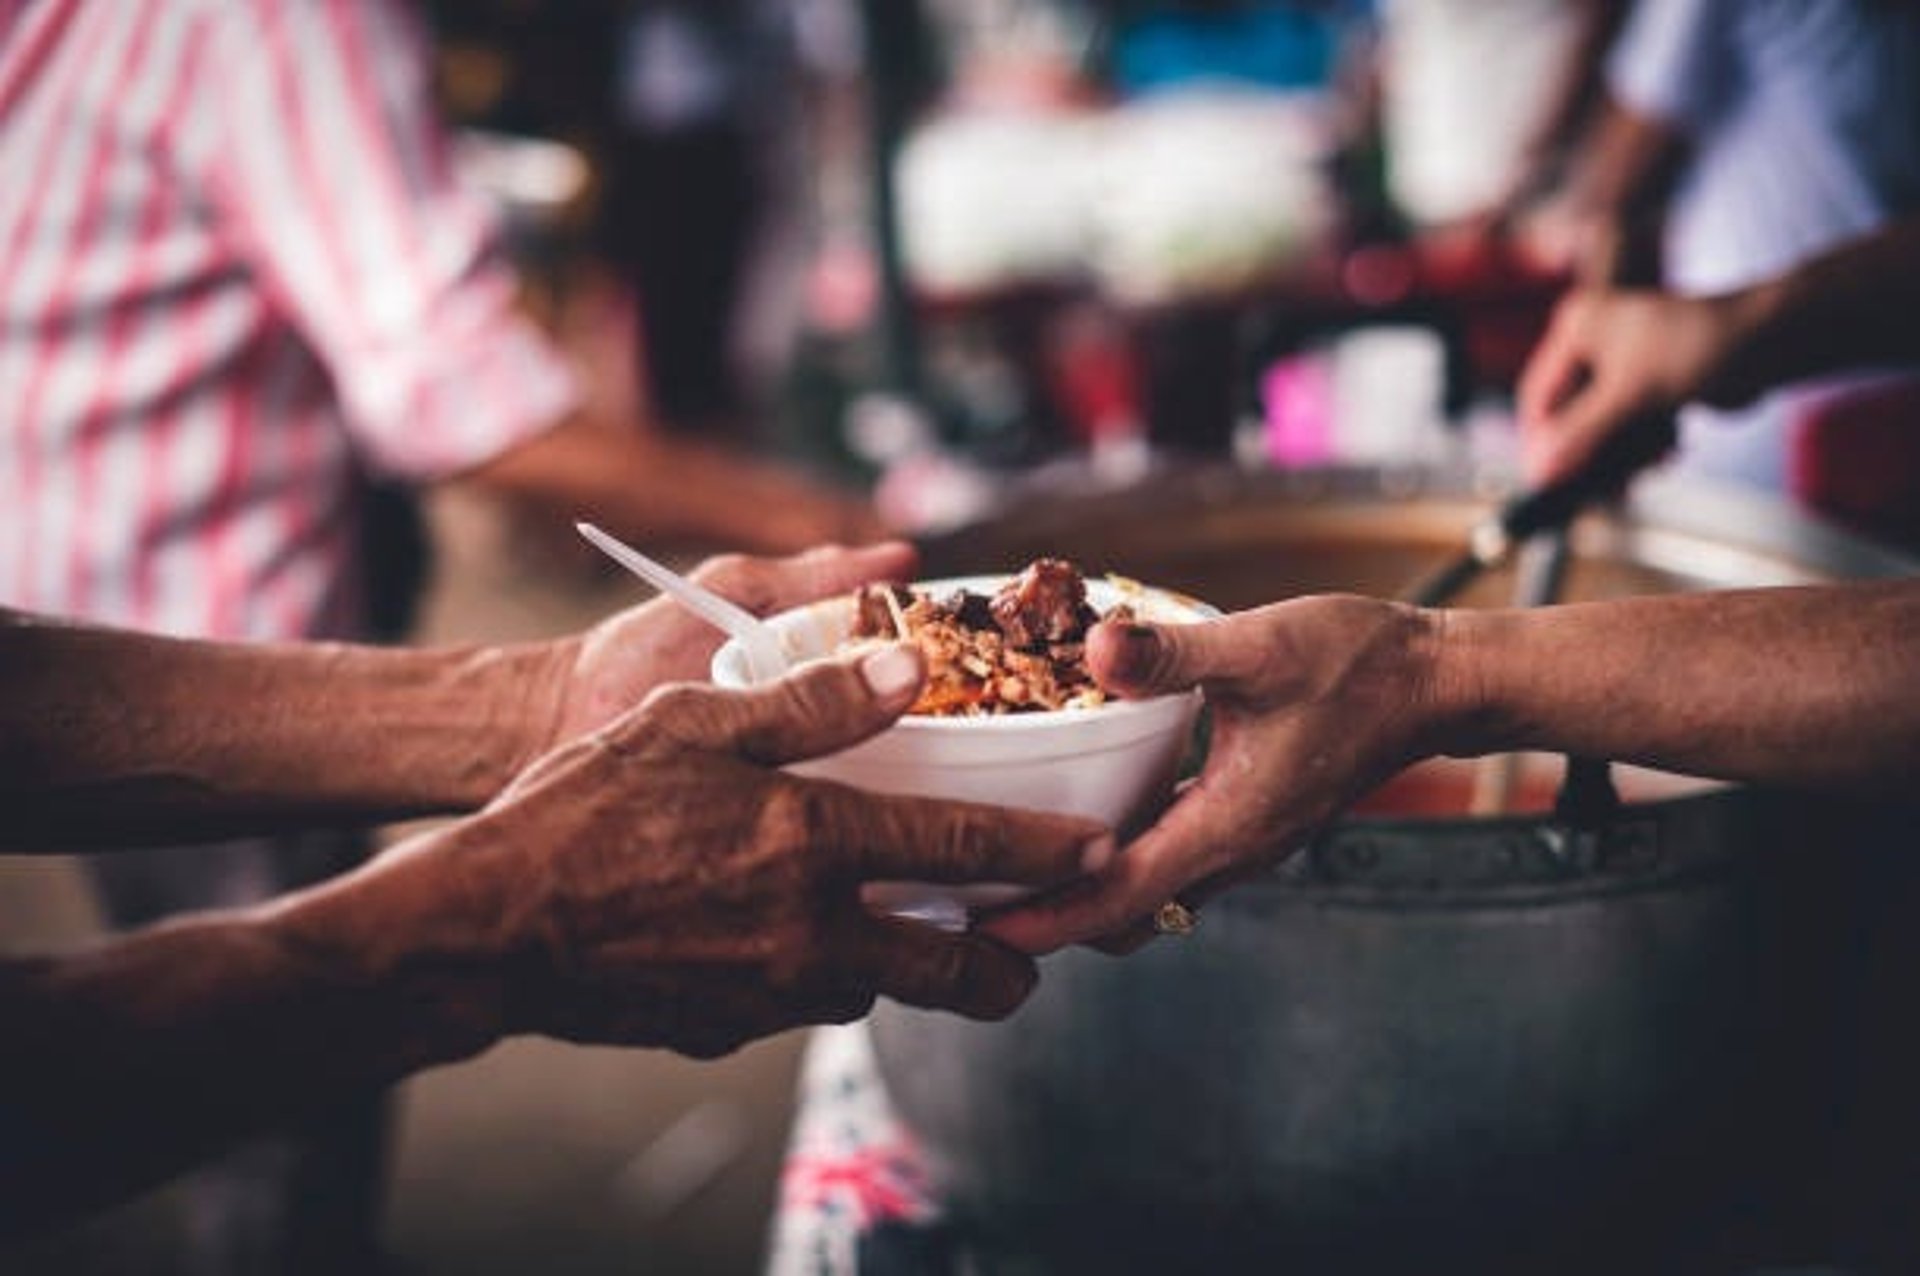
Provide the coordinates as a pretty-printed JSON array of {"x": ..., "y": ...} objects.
[{"x": 765, "y": 659}]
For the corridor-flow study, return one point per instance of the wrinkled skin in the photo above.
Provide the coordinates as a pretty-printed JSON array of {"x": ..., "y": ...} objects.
[
  {"x": 659, "y": 882},
  {"x": 1314, "y": 702},
  {"x": 239, "y": 739}
]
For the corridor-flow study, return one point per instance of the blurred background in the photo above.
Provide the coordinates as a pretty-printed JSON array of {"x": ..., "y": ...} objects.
[{"x": 950, "y": 257}]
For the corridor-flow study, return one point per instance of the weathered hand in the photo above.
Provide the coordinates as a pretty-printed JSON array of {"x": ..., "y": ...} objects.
[
  {"x": 1613, "y": 357},
  {"x": 610, "y": 668},
  {"x": 661, "y": 882},
  {"x": 1314, "y": 702}
]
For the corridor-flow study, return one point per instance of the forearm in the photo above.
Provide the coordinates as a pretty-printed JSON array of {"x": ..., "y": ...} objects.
[
  {"x": 1813, "y": 687},
  {"x": 1580, "y": 82},
  {"x": 649, "y": 488},
  {"x": 129, "y": 1062},
  {"x": 1849, "y": 308},
  {"x": 1627, "y": 168},
  {"x": 109, "y": 738}
]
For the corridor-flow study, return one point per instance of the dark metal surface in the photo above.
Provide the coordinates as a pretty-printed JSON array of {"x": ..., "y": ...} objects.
[
  {"x": 1622, "y": 455},
  {"x": 1404, "y": 1048},
  {"x": 1433, "y": 1044}
]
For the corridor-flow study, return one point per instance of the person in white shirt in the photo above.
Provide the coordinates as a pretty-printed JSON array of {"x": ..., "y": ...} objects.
[{"x": 1783, "y": 129}]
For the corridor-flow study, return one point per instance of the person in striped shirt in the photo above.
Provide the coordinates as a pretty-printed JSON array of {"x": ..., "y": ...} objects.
[{"x": 238, "y": 279}]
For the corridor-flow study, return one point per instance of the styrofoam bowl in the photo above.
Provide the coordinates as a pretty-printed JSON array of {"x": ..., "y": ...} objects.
[{"x": 1114, "y": 762}]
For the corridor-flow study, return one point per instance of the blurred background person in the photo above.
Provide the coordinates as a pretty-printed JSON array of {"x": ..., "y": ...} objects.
[
  {"x": 1467, "y": 150},
  {"x": 243, "y": 281},
  {"x": 1620, "y": 355},
  {"x": 1740, "y": 141},
  {"x": 697, "y": 90},
  {"x": 704, "y": 100}
]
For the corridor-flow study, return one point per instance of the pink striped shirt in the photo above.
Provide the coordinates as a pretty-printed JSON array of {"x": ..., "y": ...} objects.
[{"x": 236, "y": 275}]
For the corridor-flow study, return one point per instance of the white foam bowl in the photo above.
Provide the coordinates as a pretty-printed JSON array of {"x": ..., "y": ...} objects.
[{"x": 1113, "y": 762}]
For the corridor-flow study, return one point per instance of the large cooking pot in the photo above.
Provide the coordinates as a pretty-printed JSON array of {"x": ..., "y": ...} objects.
[{"x": 1429, "y": 1043}]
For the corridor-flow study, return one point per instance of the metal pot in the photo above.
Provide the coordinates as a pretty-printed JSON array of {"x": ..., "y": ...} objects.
[{"x": 1426, "y": 1043}]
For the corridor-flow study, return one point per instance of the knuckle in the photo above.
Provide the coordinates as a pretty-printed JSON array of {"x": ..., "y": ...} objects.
[
  {"x": 824, "y": 692},
  {"x": 675, "y": 702},
  {"x": 676, "y": 716},
  {"x": 792, "y": 822},
  {"x": 946, "y": 976},
  {"x": 953, "y": 967},
  {"x": 743, "y": 580},
  {"x": 965, "y": 842},
  {"x": 722, "y": 570}
]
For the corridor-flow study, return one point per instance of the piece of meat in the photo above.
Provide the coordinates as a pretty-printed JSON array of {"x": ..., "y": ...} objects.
[
  {"x": 971, "y": 610},
  {"x": 1046, "y": 603},
  {"x": 994, "y": 656}
]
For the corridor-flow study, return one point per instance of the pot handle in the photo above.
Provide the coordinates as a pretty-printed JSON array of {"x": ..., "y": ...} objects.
[{"x": 1588, "y": 799}]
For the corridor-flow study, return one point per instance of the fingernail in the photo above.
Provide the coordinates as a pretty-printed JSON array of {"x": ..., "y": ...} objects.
[
  {"x": 891, "y": 672},
  {"x": 1135, "y": 656},
  {"x": 1098, "y": 854}
]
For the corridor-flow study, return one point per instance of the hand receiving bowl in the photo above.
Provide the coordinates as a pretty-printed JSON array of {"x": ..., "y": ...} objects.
[{"x": 1113, "y": 762}]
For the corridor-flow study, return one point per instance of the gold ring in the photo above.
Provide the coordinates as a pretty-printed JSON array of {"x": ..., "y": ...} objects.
[{"x": 1174, "y": 918}]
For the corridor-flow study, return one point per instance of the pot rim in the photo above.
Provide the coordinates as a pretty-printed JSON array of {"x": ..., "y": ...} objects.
[{"x": 1511, "y": 861}]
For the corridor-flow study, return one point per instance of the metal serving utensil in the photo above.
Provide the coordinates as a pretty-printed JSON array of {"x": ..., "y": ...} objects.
[
  {"x": 1494, "y": 539},
  {"x": 765, "y": 658}
]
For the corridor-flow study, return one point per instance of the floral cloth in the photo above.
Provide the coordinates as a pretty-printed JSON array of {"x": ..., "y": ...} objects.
[{"x": 855, "y": 1194}]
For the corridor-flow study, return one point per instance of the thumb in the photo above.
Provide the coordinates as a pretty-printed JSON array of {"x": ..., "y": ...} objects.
[
  {"x": 817, "y": 709},
  {"x": 1138, "y": 660}
]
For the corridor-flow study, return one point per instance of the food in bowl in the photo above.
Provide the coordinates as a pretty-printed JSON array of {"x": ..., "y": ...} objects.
[
  {"x": 1020, "y": 650},
  {"x": 1114, "y": 763}
]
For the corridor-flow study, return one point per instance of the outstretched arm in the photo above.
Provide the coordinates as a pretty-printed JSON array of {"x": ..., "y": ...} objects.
[
  {"x": 1815, "y": 687},
  {"x": 647, "y": 487},
  {"x": 1318, "y": 700},
  {"x": 110, "y": 738}
]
